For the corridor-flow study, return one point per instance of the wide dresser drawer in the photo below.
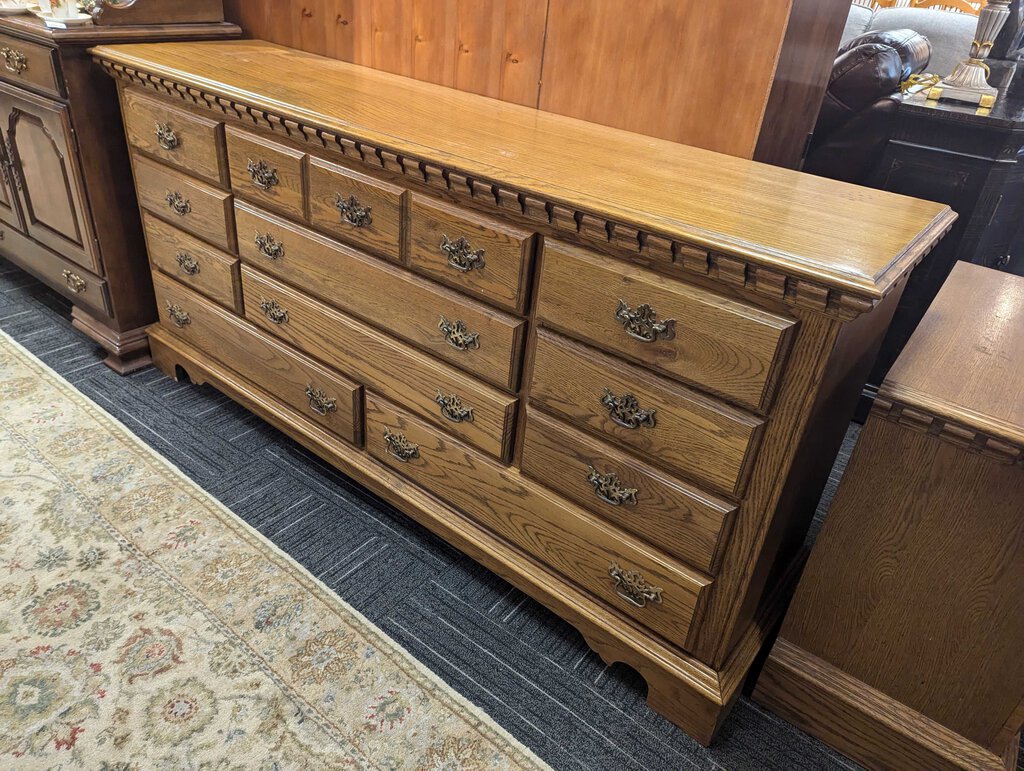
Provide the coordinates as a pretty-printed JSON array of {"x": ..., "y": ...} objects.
[
  {"x": 30, "y": 64},
  {"x": 321, "y": 395},
  {"x": 609, "y": 563},
  {"x": 717, "y": 344},
  {"x": 198, "y": 265}
]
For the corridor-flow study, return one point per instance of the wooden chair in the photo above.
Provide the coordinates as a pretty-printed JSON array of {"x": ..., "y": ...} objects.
[{"x": 971, "y": 7}]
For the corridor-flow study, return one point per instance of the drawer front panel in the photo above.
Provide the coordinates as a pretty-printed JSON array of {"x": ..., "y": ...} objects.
[
  {"x": 717, "y": 344},
  {"x": 358, "y": 209},
  {"x": 478, "y": 255},
  {"x": 321, "y": 395},
  {"x": 209, "y": 271},
  {"x": 387, "y": 297},
  {"x": 30, "y": 64},
  {"x": 671, "y": 426},
  {"x": 186, "y": 140},
  {"x": 588, "y": 552},
  {"x": 680, "y": 519},
  {"x": 200, "y": 209},
  {"x": 477, "y": 413},
  {"x": 267, "y": 173}
]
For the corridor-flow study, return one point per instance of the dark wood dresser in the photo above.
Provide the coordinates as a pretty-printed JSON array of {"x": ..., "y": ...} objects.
[
  {"x": 902, "y": 647},
  {"x": 67, "y": 205},
  {"x": 613, "y": 369}
]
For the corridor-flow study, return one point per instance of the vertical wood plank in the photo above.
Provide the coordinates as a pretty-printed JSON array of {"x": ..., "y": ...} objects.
[
  {"x": 522, "y": 58},
  {"x": 480, "y": 50},
  {"x": 392, "y": 36},
  {"x": 433, "y": 30}
]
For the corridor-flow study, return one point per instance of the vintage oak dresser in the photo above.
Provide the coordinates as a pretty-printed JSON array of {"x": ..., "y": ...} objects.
[{"x": 613, "y": 369}]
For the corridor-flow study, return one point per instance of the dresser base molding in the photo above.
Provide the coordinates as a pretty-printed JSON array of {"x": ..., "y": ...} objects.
[
  {"x": 127, "y": 351},
  {"x": 863, "y": 723},
  {"x": 686, "y": 691}
]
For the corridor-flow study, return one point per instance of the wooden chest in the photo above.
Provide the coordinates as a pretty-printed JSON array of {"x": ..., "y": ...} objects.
[{"x": 613, "y": 369}]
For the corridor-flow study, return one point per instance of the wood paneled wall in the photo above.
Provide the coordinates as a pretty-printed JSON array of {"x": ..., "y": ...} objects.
[{"x": 694, "y": 71}]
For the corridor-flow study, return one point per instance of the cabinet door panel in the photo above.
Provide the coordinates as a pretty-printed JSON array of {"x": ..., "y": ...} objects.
[{"x": 9, "y": 213}]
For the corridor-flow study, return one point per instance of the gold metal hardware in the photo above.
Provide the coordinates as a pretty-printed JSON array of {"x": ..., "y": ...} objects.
[
  {"x": 460, "y": 255},
  {"x": 399, "y": 447},
  {"x": 269, "y": 246},
  {"x": 263, "y": 176},
  {"x": 457, "y": 336},
  {"x": 14, "y": 61},
  {"x": 12, "y": 168},
  {"x": 626, "y": 411},
  {"x": 179, "y": 204},
  {"x": 166, "y": 137},
  {"x": 274, "y": 312},
  {"x": 609, "y": 489},
  {"x": 178, "y": 315},
  {"x": 188, "y": 264},
  {"x": 319, "y": 402},
  {"x": 352, "y": 212},
  {"x": 632, "y": 587},
  {"x": 642, "y": 324},
  {"x": 453, "y": 408},
  {"x": 75, "y": 282}
]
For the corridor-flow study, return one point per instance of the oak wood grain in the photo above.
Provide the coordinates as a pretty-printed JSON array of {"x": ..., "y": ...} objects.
[{"x": 282, "y": 188}]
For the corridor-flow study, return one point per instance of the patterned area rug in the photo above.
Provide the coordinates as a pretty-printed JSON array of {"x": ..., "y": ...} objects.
[{"x": 143, "y": 625}]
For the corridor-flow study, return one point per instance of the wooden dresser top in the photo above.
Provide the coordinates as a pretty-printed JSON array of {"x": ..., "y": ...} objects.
[
  {"x": 965, "y": 362},
  {"x": 843, "y": 237}
]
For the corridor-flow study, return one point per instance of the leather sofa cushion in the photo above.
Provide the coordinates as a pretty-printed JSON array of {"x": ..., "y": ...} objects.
[
  {"x": 859, "y": 77},
  {"x": 914, "y": 49}
]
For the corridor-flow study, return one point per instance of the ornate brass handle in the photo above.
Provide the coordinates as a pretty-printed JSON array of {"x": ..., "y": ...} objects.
[
  {"x": 626, "y": 411},
  {"x": 399, "y": 447},
  {"x": 353, "y": 212},
  {"x": 269, "y": 246},
  {"x": 166, "y": 137},
  {"x": 319, "y": 402},
  {"x": 453, "y": 408},
  {"x": 642, "y": 324},
  {"x": 609, "y": 489},
  {"x": 460, "y": 255},
  {"x": 75, "y": 282},
  {"x": 632, "y": 587},
  {"x": 179, "y": 204},
  {"x": 187, "y": 263},
  {"x": 178, "y": 315},
  {"x": 14, "y": 61},
  {"x": 263, "y": 176},
  {"x": 457, "y": 336},
  {"x": 274, "y": 312}
]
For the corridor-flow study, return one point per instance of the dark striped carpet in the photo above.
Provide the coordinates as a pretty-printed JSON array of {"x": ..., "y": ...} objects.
[{"x": 522, "y": 665}]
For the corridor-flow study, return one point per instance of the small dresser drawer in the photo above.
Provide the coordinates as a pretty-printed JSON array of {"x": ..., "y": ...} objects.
[
  {"x": 479, "y": 255},
  {"x": 712, "y": 342},
  {"x": 680, "y": 519},
  {"x": 209, "y": 271},
  {"x": 607, "y": 562},
  {"x": 318, "y": 393},
  {"x": 671, "y": 426},
  {"x": 477, "y": 413},
  {"x": 200, "y": 209},
  {"x": 358, "y": 209},
  {"x": 191, "y": 142},
  {"x": 449, "y": 325},
  {"x": 30, "y": 64},
  {"x": 267, "y": 173}
]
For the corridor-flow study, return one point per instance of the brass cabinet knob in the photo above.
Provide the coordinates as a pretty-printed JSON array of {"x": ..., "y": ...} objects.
[
  {"x": 14, "y": 60},
  {"x": 188, "y": 264},
  {"x": 273, "y": 311},
  {"x": 178, "y": 315},
  {"x": 178, "y": 203},
  {"x": 166, "y": 137},
  {"x": 269, "y": 246},
  {"x": 75, "y": 282}
]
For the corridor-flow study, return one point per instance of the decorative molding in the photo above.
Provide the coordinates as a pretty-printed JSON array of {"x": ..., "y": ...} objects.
[{"x": 655, "y": 249}]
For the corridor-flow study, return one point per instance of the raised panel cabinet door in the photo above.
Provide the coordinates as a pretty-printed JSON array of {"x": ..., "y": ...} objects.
[
  {"x": 45, "y": 169},
  {"x": 9, "y": 213}
]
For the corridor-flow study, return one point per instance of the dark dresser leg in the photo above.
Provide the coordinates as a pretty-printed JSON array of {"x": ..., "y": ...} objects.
[{"x": 127, "y": 351}]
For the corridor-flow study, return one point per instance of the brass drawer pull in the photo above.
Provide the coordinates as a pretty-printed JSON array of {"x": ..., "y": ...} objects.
[
  {"x": 179, "y": 204},
  {"x": 263, "y": 176},
  {"x": 166, "y": 137},
  {"x": 319, "y": 402},
  {"x": 399, "y": 447},
  {"x": 352, "y": 212},
  {"x": 643, "y": 325},
  {"x": 188, "y": 264},
  {"x": 14, "y": 61},
  {"x": 460, "y": 255},
  {"x": 457, "y": 336},
  {"x": 178, "y": 315},
  {"x": 274, "y": 312},
  {"x": 632, "y": 587},
  {"x": 626, "y": 411},
  {"x": 269, "y": 246},
  {"x": 453, "y": 408},
  {"x": 608, "y": 488},
  {"x": 75, "y": 282}
]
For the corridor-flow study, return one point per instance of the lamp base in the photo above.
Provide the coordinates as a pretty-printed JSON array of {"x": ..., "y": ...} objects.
[{"x": 968, "y": 83}]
